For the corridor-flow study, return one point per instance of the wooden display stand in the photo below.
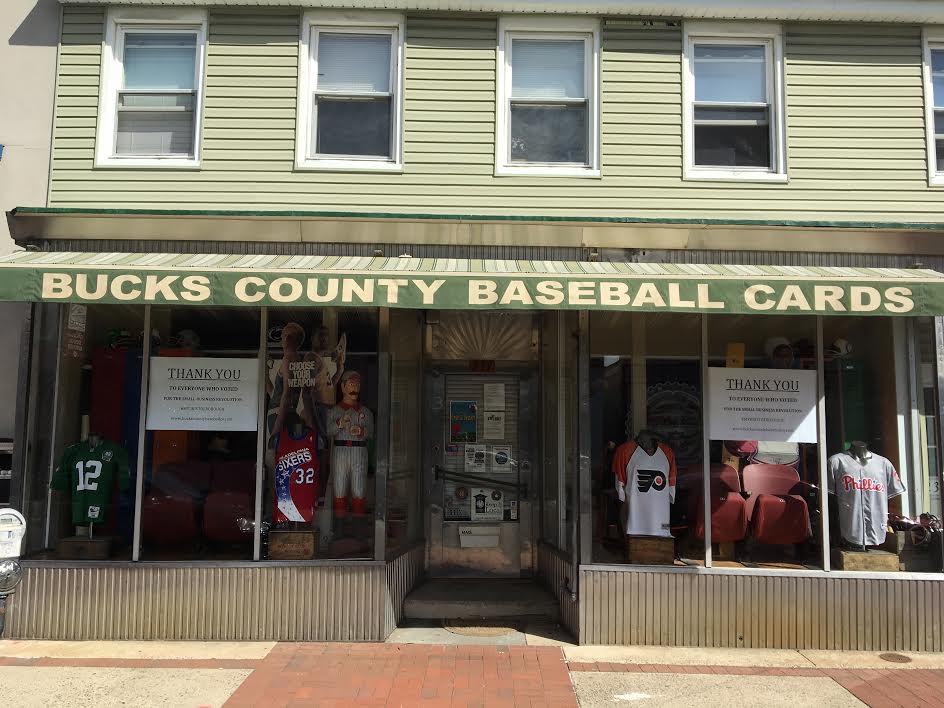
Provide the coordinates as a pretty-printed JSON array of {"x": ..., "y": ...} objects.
[
  {"x": 84, "y": 548},
  {"x": 873, "y": 561},
  {"x": 650, "y": 550},
  {"x": 291, "y": 545}
]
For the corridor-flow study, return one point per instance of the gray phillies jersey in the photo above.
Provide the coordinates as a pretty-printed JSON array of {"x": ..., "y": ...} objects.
[{"x": 863, "y": 492}]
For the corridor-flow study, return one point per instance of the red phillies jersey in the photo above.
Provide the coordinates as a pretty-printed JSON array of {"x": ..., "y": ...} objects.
[{"x": 296, "y": 477}]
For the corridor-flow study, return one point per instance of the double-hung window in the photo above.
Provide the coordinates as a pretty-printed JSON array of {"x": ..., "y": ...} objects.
[
  {"x": 733, "y": 112},
  {"x": 152, "y": 90},
  {"x": 934, "y": 100},
  {"x": 349, "y": 105},
  {"x": 548, "y": 105}
]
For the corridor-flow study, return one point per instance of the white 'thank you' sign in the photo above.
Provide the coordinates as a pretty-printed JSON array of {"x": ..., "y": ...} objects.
[{"x": 774, "y": 405}]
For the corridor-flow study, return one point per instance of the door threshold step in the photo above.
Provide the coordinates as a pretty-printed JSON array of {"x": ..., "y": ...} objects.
[{"x": 479, "y": 599}]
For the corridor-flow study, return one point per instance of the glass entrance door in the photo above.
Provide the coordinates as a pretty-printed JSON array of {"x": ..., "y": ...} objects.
[{"x": 479, "y": 441}]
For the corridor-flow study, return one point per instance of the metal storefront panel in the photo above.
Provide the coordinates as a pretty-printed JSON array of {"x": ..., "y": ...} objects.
[
  {"x": 556, "y": 569},
  {"x": 776, "y": 611},
  {"x": 403, "y": 573},
  {"x": 236, "y": 603}
]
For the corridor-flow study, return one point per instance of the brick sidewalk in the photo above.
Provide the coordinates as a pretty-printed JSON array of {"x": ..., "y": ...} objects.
[
  {"x": 878, "y": 688},
  {"x": 398, "y": 675},
  {"x": 331, "y": 675}
]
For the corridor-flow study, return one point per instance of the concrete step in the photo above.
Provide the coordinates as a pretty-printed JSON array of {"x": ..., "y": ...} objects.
[{"x": 478, "y": 599}]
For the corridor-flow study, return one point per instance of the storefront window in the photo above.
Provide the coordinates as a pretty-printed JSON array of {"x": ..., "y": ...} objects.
[
  {"x": 404, "y": 514},
  {"x": 646, "y": 430},
  {"x": 320, "y": 433},
  {"x": 883, "y": 469},
  {"x": 93, "y": 428},
  {"x": 200, "y": 454},
  {"x": 765, "y": 482}
]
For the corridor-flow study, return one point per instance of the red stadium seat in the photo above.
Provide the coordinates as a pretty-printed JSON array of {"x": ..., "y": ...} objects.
[
  {"x": 728, "y": 508},
  {"x": 234, "y": 476},
  {"x": 220, "y": 513},
  {"x": 777, "y": 512},
  {"x": 168, "y": 520}
]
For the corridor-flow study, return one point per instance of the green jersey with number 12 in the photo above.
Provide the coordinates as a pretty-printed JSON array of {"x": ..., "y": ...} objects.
[{"x": 89, "y": 474}]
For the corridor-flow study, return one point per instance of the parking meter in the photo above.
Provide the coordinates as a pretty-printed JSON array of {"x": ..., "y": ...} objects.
[{"x": 12, "y": 531}]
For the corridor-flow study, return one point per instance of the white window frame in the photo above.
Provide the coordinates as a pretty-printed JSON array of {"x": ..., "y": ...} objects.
[
  {"x": 315, "y": 22},
  {"x": 932, "y": 39},
  {"x": 579, "y": 28},
  {"x": 767, "y": 35},
  {"x": 119, "y": 21}
]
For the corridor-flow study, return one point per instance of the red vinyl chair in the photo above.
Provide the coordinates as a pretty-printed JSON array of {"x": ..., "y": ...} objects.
[
  {"x": 728, "y": 508},
  {"x": 777, "y": 512},
  {"x": 230, "y": 497},
  {"x": 220, "y": 514}
]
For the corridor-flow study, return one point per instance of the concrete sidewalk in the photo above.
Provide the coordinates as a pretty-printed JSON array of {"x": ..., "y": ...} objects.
[{"x": 78, "y": 674}]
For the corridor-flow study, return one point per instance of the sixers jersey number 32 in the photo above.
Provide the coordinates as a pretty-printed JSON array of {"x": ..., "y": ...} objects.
[{"x": 296, "y": 477}]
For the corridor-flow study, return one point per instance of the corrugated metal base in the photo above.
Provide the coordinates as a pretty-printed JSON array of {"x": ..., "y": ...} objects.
[
  {"x": 556, "y": 572},
  {"x": 403, "y": 572},
  {"x": 290, "y": 603},
  {"x": 760, "y": 611}
]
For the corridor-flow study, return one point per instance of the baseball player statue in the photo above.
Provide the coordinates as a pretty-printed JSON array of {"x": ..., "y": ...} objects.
[{"x": 351, "y": 425}]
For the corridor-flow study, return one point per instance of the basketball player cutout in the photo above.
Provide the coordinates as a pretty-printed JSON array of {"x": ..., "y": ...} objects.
[{"x": 351, "y": 425}]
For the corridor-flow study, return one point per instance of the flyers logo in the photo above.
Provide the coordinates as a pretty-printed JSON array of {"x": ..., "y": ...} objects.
[{"x": 650, "y": 479}]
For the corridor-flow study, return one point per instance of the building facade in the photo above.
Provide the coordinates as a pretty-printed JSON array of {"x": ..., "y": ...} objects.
[
  {"x": 28, "y": 68},
  {"x": 326, "y": 302}
]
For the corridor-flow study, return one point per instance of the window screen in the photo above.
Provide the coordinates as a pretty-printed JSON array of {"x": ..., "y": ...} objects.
[
  {"x": 157, "y": 99},
  {"x": 732, "y": 109},
  {"x": 549, "y": 105},
  {"x": 353, "y": 98}
]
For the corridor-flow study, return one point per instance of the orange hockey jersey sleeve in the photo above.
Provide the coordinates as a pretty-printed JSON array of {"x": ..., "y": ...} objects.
[{"x": 620, "y": 461}]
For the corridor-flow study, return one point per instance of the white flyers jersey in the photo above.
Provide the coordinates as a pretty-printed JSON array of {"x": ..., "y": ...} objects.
[{"x": 647, "y": 484}]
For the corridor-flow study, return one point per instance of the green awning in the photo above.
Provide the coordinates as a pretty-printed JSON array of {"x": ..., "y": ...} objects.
[{"x": 456, "y": 283}]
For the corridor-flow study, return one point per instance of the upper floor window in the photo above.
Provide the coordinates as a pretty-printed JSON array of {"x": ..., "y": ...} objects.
[
  {"x": 934, "y": 99},
  {"x": 548, "y": 113},
  {"x": 152, "y": 89},
  {"x": 349, "y": 102},
  {"x": 733, "y": 110}
]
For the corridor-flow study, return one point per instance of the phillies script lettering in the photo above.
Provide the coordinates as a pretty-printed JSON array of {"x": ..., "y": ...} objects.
[{"x": 865, "y": 485}]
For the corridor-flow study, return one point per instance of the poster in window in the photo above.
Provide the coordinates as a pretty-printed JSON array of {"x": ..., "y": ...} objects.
[
  {"x": 501, "y": 459},
  {"x": 493, "y": 426},
  {"x": 463, "y": 421},
  {"x": 495, "y": 396},
  {"x": 476, "y": 459},
  {"x": 487, "y": 504}
]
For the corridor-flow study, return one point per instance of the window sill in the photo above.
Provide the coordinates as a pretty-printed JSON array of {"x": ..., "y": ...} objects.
[
  {"x": 936, "y": 180},
  {"x": 713, "y": 175},
  {"x": 349, "y": 166},
  {"x": 169, "y": 163},
  {"x": 546, "y": 171}
]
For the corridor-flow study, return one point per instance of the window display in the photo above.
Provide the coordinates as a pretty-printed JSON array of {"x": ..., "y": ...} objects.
[
  {"x": 201, "y": 442},
  {"x": 884, "y": 467},
  {"x": 319, "y": 434},
  {"x": 645, "y": 483},
  {"x": 89, "y": 473}
]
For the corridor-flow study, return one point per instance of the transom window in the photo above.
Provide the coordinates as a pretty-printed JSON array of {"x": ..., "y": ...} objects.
[
  {"x": 153, "y": 82},
  {"x": 547, "y": 120},
  {"x": 351, "y": 101},
  {"x": 733, "y": 117}
]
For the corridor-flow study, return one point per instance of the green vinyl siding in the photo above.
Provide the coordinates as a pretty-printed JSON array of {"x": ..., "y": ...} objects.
[{"x": 855, "y": 127}]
